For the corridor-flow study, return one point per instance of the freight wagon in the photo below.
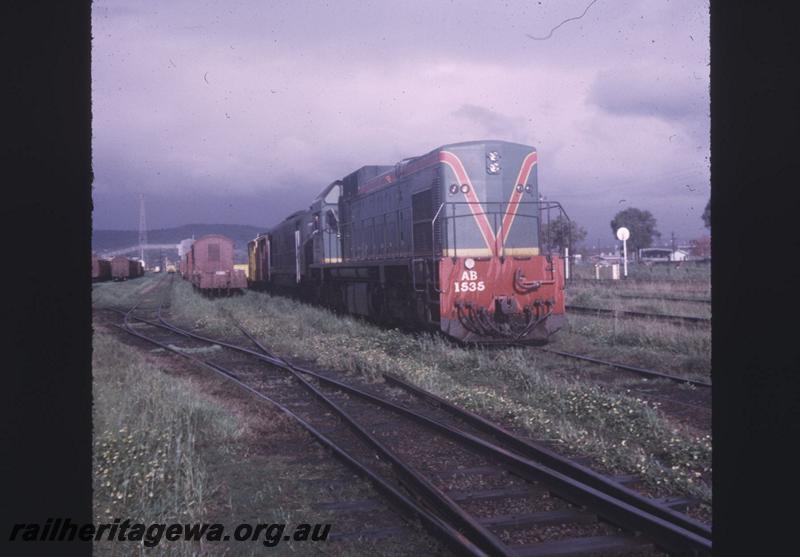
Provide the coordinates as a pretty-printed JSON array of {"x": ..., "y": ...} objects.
[
  {"x": 209, "y": 265},
  {"x": 123, "y": 268},
  {"x": 101, "y": 269}
]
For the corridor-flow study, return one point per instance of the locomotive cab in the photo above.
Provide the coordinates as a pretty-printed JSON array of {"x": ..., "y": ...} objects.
[
  {"x": 325, "y": 225},
  {"x": 495, "y": 284}
]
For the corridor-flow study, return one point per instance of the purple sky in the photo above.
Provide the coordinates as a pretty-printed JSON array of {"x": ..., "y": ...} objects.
[{"x": 241, "y": 111}]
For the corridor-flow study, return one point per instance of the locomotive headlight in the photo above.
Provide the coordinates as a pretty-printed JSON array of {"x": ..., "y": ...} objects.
[
  {"x": 464, "y": 188},
  {"x": 453, "y": 189},
  {"x": 493, "y": 162},
  {"x": 519, "y": 188},
  {"x": 528, "y": 188},
  {"x": 469, "y": 263}
]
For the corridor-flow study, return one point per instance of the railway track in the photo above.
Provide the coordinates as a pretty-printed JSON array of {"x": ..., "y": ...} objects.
[
  {"x": 696, "y": 412},
  {"x": 481, "y": 490},
  {"x": 647, "y": 281},
  {"x": 665, "y": 298},
  {"x": 624, "y": 314},
  {"x": 649, "y": 373}
]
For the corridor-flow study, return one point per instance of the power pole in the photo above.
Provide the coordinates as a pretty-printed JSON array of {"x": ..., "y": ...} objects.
[
  {"x": 142, "y": 228},
  {"x": 672, "y": 255}
]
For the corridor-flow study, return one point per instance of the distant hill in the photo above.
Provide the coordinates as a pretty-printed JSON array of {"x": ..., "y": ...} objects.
[{"x": 106, "y": 240}]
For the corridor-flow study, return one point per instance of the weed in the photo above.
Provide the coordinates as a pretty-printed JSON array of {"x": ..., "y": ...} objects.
[{"x": 625, "y": 432}]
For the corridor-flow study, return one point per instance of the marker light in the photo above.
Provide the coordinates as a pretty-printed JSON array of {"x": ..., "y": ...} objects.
[
  {"x": 493, "y": 164},
  {"x": 528, "y": 188},
  {"x": 464, "y": 188},
  {"x": 453, "y": 188},
  {"x": 469, "y": 263},
  {"x": 519, "y": 188}
]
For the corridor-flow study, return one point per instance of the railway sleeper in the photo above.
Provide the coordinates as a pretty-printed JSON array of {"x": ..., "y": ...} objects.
[
  {"x": 595, "y": 545},
  {"x": 562, "y": 516},
  {"x": 387, "y": 532},
  {"x": 355, "y": 505},
  {"x": 494, "y": 494},
  {"x": 677, "y": 503}
]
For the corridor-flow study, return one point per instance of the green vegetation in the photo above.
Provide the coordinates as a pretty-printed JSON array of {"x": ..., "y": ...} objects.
[
  {"x": 530, "y": 388},
  {"x": 560, "y": 233},
  {"x": 683, "y": 351},
  {"x": 166, "y": 451},
  {"x": 707, "y": 215},
  {"x": 673, "y": 348},
  {"x": 601, "y": 295},
  {"x": 674, "y": 278},
  {"x": 125, "y": 294},
  {"x": 640, "y": 223},
  {"x": 148, "y": 433}
]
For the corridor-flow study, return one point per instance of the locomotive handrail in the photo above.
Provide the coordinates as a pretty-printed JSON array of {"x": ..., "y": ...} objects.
[
  {"x": 477, "y": 209},
  {"x": 433, "y": 239},
  {"x": 449, "y": 234}
]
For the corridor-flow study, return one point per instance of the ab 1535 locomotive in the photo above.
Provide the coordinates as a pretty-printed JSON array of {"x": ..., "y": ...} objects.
[{"x": 449, "y": 240}]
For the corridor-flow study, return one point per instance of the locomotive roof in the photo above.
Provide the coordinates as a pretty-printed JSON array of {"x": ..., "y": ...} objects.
[
  {"x": 327, "y": 190},
  {"x": 213, "y": 236},
  {"x": 479, "y": 141},
  {"x": 385, "y": 178},
  {"x": 295, "y": 214}
]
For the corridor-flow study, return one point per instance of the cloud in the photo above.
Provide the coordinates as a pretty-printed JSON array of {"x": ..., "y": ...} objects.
[
  {"x": 239, "y": 101},
  {"x": 637, "y": 91},
  {"x": 492, "y": 122}
]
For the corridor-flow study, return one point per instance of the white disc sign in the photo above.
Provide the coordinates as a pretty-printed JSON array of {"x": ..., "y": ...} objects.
[{"x": 623, "y": 233}]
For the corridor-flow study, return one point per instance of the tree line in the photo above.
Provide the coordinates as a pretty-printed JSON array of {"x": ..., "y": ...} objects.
[{"x": 562, "y": 232}]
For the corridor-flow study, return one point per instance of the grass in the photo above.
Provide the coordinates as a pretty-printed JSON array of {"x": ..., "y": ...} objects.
[
  {"x": 148, "y": 432},
  {"x": 604, "y": 296},
  {"x": 684, "y": 351},
  {"x": 122, "y": 294},
  {"x": 664, "y": 346},
  {"x": 684, "y": 272},
  {"x": 625, "y": 432},
  {"x": 166, "y": 451}
]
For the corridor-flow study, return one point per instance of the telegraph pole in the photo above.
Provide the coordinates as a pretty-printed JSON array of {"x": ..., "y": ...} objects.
[
  {"x": 142, "y": 228},
  {"x": 672, "y": 255}
]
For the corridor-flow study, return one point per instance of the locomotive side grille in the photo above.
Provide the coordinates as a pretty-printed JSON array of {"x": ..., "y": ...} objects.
[
  {"x": 436, "y": 201},
  {"x": 422, "y": 214}
]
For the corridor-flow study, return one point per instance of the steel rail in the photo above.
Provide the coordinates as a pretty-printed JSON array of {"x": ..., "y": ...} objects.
[
  {"x": 625, "y": 314},
  {"x": 669, "y": 535},
  {"x": 674, "y": 538},
  {"x": 641, "y": 371},
  {"x": 557, "y": 462},
  {"x": 413, "y": 480},
  {"x": 454, "y": 539},
  {"x": 667, "y": 298},
  {"x": 632, "y": 280}
]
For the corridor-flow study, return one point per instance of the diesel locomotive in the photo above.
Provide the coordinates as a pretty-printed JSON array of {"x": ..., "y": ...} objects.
[{"x": 448, "y": 241}]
